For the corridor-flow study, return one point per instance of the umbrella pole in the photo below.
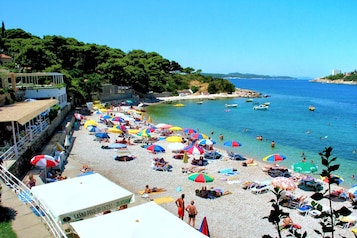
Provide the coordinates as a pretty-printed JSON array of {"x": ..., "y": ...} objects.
[{"x": 45, "y": 175}]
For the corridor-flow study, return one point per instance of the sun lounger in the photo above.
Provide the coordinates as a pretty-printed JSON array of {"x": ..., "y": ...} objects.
[
  {"x": 263, "y": 188},
  {"x": 235, "y": 156}
]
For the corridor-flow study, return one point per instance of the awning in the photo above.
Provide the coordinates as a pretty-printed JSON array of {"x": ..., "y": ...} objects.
[
  {"x": 145, "y": 220},
  {"x": 25, "y": 111},
  {"x": 81, "y": 197}
]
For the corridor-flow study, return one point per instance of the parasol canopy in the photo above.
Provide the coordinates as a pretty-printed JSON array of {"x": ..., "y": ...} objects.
[
  {"x": 201, "y": 177},
  {"x": 284, "y": 183},
  {"x": 274, "y": 158},
  {"x": 304, "y": 167},
  {"x": 194, "y": 150},
  {"x": 232, "y": 143}
]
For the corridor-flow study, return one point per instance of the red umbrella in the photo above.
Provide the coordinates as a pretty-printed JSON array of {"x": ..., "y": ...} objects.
[
  {"x": 46, "y": 161},
  {"x": 204, "y": 227},
  {"x": 194, "y": 150}
]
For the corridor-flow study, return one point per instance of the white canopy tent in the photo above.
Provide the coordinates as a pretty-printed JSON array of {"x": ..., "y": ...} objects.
[
  {"x": 81, "y": 197},
  {"x": 145, "y": 220}
]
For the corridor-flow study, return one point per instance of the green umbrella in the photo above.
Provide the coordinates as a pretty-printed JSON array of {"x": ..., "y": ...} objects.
[
  {"x": 201, "y": 177},
  {"x": 304, "y": 167}
]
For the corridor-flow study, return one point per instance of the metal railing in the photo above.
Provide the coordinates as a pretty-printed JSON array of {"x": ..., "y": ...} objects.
[{"x": 24, "y": 193}]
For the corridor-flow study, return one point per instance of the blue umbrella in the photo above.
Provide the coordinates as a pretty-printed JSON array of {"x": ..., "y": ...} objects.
[
  {"x": 106, "y": 116},
  {"x": 102, "y": 135},
  {"x": 94, "y": 129},
  {"x": 232, "y": 143},
  {"x": 206, "y": 142},
  {"x": 155, "y": 148}
]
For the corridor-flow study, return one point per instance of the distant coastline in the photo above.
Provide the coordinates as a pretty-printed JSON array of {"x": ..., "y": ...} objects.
[{"x": 340, "y": 81}]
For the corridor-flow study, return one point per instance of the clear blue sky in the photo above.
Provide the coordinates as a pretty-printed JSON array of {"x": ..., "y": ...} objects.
[{"x": 272, "y": 37}]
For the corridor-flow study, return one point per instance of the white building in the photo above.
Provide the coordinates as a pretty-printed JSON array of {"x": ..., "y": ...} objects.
[
  {"x": 37, "y": 86},
  {"x": 336, "y": 71}
]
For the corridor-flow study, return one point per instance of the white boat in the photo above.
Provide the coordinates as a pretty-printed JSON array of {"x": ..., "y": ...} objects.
[
  {"x": 261, "y": 107},
  {"x": 266, "y": 103},
  {"x": 199, "y": 102},
  {"x": 231, "y": 105}
]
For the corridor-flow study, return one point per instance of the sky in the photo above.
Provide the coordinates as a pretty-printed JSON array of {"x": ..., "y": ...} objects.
[{"x": 298, "y": 38}]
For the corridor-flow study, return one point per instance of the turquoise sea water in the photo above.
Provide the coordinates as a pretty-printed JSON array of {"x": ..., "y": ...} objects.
[{"x": 288, "y": 121}]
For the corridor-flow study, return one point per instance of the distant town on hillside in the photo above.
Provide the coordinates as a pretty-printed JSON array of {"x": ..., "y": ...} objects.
[{"x": 240, "y": 75}]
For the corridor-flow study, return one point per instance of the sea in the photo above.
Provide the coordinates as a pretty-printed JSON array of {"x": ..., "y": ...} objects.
[{"x": 296, "y": 131}]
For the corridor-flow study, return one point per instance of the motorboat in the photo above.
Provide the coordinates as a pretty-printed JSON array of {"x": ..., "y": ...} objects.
[
  {"x": 199, "y": 102},
  {"x": 261, "y": 107},
  {"x": 266, "y": 103},
  {"x": 231, "y": 105},
  {"x": 249, "y": 100},
  {"x": 311, "y": 108}
]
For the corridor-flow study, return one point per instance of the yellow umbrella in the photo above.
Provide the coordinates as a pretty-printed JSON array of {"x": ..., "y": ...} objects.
[
  {"x": 133, "y": 131},
  {"x": 149, "y": 119},
  {"x": 175, "y": 128},
  {"x": 90, "y": 123},
  {"x": 174, "y": 139},
  {"x": 115, "y": 130}
]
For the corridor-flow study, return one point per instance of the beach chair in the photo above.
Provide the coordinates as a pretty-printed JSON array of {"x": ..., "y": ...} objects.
[
  {"x": 261, "y": 188},
  {"x": 304, "y": 209}
]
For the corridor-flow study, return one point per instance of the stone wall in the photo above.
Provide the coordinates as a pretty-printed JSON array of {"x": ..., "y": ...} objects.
[{"x": 22, "y": 164}]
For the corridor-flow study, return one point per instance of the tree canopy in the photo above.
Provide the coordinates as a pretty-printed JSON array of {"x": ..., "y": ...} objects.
[{"x": 87, "y": 66}]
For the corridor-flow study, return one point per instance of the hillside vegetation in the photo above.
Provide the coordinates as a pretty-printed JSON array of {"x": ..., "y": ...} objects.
[{"x": 87, "y": 66}]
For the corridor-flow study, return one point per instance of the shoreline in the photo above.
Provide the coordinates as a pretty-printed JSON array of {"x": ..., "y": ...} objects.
[
  {"x": 242, "y": 207},
  {"x": 239, "y": 93}
]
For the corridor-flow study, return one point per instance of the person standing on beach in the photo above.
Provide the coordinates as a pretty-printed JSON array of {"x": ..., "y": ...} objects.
[
  {"x": 180, "y": 203},
  {"x": 192, "y": 212}
]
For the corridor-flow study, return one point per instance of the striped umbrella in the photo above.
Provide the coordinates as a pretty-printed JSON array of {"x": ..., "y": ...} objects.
[
  {"x": 194, "y": 150},
  {"x": 201, "y": 177},
  {"x": 232, "y": 143},
  {"x": 274, "y": 158}
]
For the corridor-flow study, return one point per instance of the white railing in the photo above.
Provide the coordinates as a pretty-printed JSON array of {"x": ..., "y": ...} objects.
[
  {"x": 24, "y": 141},
  {"x": 23, "y": 192}
]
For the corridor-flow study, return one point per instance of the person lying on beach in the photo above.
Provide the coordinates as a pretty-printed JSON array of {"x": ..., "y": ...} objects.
[
  {"x": 85, "y": 168},
  {"x": 247, "y": 162},
  {"x": 289, "y": 224},
  {"x": 154, "y": 189}
]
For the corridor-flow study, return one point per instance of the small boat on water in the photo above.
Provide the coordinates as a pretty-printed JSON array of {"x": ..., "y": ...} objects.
[
  {"x": 179, "y": 105},
  {"x": 231, "y": 105},
  {"x": 311, "y": 108},
  {"x": 266, "y": 103},
  {"x": 249, "y": 100},
  {"x": 199, "y": 102},
  {"x": 261, "y": 107}
]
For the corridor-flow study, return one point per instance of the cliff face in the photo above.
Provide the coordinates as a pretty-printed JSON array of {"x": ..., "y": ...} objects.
[{"x": 339, "y": 81}]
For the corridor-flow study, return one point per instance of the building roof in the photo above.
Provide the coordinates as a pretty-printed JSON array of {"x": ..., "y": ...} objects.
[
  {"x": 25, "y": 111},
  {"x": 3, "y": 56}
]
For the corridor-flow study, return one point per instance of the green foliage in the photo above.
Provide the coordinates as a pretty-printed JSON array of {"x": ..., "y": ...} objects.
[
  {"x": 87, "y": 66},
  {"x": 277, "y": 215},
  {"x": 54, "y": 112},
  {"x": 6, "y": 230},
  {"x": 328, "y": 218}
]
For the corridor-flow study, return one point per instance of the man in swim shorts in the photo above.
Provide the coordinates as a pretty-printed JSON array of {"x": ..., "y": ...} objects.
[
  {"x": 180, "y": 203},
  {"x": 192, "y": 212}
]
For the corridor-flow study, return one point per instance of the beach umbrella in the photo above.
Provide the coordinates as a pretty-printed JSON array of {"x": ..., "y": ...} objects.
[
  {"x": 90, "y": 123},
  {"x": 102, "y": 135},
  {"x": 333, "y": 179},
  {"x": 149, "y": 119},
  {"x": 185, "y": 157},
  {"x": 163, "y": 126},
  {"x": 232, "y": 143},
  {"x": 204, "y": 227},
  {"x": 118, "y": 119},
  {"x": 274, "y": 158},
  {"x": 93, "y": 129},
  {"x": 284, "y": 183},
  {"x": 155, "y": 148},
  {"x": 199, "y": 136},
  {"x": 175, "y": 128},
  {"x": 304, "y": 167},
  {"x": 353, "y": 190},
  {"x": 98, "y": 112},
  {"x": 144, "y": 133},
  {"x": 174, "y": 139},
  {"x": 106, "y": 116},
  {"x": 189, "y": 131},
  {"x": 206, "y": 142},
  {"x": 44, "y": 161},
  {"x": 194, "y": 150},
  {"x": 121, "y": 127},
  {"x": 201, "y": 177},
  {"x": 115, "y": 130},
  {"x": 133, "y": 131},
  {"x": 176, "y": 146}
]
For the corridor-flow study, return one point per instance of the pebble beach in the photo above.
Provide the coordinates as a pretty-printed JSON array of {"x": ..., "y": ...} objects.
[{"x": 239, "y": 214}]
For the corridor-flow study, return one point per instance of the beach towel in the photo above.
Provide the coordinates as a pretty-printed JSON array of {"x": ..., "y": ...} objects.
[
  {"x": 163, "y": 200},
  {"x": 141, "y": 192},
  {"x": 37, "y": 211},
  {"x": 25, "y": 196}
]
